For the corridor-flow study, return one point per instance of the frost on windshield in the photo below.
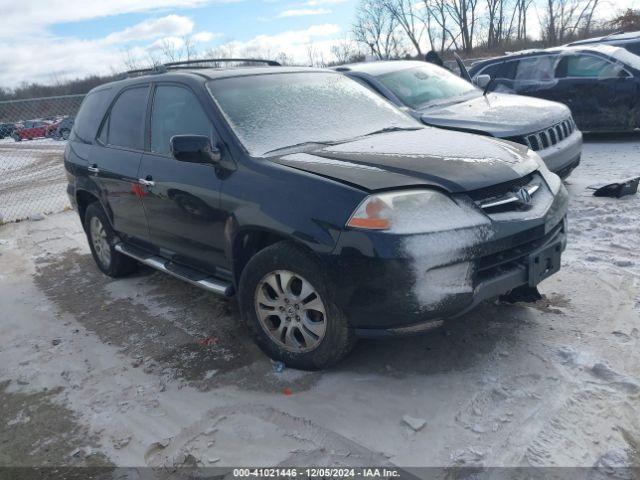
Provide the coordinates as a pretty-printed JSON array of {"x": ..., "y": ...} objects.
[{"x": 269, "y": 112}]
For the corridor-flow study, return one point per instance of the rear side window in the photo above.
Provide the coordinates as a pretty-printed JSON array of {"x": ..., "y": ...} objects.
[
  {"x": 125, "y": 125},
  {"x": 588, "y": 66},
  {"x": 176, "y": 111},
  {"x": 88, "y": 118}
]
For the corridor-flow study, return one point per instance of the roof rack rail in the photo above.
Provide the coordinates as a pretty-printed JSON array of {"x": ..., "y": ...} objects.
[
  {"x": 197, "y": 64},
  {"x": 142, "y": 71},
  {"x": 271, "y": 63}
]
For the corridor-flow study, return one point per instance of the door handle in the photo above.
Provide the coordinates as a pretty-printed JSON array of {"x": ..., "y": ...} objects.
[
  {"x": 145, "y": 182},
  {"x": 93, "y": 168}
]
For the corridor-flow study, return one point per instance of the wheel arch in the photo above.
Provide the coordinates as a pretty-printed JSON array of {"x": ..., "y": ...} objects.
[
  {"x": 83, "y": 199},
  {"x": 248, "y": 241}
]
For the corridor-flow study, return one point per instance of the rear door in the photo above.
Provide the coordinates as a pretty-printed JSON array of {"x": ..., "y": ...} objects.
[
  {"x": 182, "y": 203},
  {"x": 115, "y": 161},
  {"x": 598, "y": 91}
]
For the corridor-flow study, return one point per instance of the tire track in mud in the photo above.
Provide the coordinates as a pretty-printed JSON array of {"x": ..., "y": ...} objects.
[
  {"x": 225, "y": 432},
  {"x": 36, "y": 431},
  {"x": 167, "y": 328}
]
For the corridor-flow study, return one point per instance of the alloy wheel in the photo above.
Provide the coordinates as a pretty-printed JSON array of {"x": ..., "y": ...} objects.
[
  {"x": 290, "y": 311},
  {"x": 100, "y": 241}
]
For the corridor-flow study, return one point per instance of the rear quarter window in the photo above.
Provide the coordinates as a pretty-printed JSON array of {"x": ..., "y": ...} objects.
[{"x": 89, "y": 116}]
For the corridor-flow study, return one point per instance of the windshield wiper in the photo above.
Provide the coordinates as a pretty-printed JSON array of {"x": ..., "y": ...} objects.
[
  {"x": 301, "y": 144},
  {"x": 391, "y": 129}
]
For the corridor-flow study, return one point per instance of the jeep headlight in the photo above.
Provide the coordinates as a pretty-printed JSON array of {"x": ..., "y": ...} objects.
[{"x": 413, "y": 211}]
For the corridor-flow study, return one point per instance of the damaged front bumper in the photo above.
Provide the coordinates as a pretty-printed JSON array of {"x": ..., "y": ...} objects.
[{"x": 398, "y": 284}]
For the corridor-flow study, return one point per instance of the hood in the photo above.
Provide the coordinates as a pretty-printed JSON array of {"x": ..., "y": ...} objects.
[
  {"x": 501, "y": 115},
  {"x": 453, "y": 161}
]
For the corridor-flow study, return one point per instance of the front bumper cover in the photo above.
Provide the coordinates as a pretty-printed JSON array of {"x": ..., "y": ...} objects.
[{"x": 381, "y": 288}]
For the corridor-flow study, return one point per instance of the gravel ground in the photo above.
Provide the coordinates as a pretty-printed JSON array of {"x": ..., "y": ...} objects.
[{"x": 149, "y": 371}]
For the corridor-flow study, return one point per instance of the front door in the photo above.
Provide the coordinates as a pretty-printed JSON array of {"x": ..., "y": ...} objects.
[
  {"x": 115, "y": 161},
  {"x": 182, "y": 203}
]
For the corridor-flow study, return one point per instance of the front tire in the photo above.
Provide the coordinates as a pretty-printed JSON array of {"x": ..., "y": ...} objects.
[
  {"x": 102, "y": 240},
  {"x": 287, "y": 303}
]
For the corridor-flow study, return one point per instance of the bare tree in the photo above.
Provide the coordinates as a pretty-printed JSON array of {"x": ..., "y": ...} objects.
[
  {"x": 344, "y": 50},
  {"x": 189, "y": 47},
  {"x": 438, "y": 13},
  {"x": 376, "y": 28},
  {"x": 404, "y": 12},
  {"x": 497, "y": 28},
  {"x": 565, "y": 19},
  {"x": 463, "y": 13},
  {"x": 171, "y": 50},
  {"x": 520, "y": 13},
  {"x": 130, "y": 62}
]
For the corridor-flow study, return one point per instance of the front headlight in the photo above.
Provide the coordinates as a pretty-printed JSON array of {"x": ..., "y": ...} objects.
[
  {"x": 553, "y": 181},
  {"x": 413, "y": 211}
]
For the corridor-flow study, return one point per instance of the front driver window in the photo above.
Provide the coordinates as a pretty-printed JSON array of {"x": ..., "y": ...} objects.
[
  {"x": 176, "y": 111},
  {"x": 536, "y": 68}
]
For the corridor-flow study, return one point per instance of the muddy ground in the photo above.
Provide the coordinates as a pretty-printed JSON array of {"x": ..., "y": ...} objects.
[{"x": 149, "y": 371}]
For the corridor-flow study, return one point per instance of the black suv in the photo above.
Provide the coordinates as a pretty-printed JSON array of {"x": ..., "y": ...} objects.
[{"x": 328, "y": 212}]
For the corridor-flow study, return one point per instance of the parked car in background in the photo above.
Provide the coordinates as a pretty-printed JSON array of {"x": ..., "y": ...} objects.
[
  {"x": 599, "y": 83},
  {"x": 32, "y": 129},
  {"x": 6, "y": 129},
  {"x": 437, "y": 97},
  {"x": 63, "y": 128},
  {"x": 328, "y": 211},
  {"x": 627, "y": 40}
]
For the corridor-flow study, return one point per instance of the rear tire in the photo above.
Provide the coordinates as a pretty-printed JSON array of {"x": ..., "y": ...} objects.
[
  {"x": 287, "y": 303},
  {"x": 102, "y": 240}
]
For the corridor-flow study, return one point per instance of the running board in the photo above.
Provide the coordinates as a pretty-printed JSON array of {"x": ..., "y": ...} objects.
[{"x": 187, "y": 274}]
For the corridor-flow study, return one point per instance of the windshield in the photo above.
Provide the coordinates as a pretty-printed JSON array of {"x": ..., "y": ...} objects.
[
  {"x": 274, "y": 111},
  {"x": 418, "y": 86}
]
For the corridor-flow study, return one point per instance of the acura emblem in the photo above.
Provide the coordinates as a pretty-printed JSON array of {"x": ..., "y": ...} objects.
[{"x": 524, "y": 196}]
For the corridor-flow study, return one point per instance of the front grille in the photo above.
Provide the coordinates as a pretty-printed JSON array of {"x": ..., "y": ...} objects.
[
  {"x": 503, "y": 198},
  {"x": 495, "y": 191},
  {"x": 515, "y": 250},
  {"x": 548, "y": 137}
]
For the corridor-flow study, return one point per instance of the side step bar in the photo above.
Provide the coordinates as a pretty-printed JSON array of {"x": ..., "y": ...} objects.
[{"x": 194, "y": 277}]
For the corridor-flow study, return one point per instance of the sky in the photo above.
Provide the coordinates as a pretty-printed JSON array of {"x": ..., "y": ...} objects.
[{"x": 56, "y": 40}]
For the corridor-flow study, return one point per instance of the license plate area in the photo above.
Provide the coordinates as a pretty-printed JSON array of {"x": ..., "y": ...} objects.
[{"x": 544, "y": 262}]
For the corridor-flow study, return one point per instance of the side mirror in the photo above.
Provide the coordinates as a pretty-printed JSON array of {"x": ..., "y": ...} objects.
[
  {"x": 194, "y": 149},
  {"x": 482, "y": 80}
]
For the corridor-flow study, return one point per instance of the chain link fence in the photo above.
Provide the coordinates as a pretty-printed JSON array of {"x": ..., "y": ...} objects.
[{"x": 33, "y": 136}]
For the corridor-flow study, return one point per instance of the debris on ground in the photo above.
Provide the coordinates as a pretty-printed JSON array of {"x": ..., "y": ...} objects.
[
  {"x": 208, "y": 341},
  {"x": 121, "y": 442},
  {"x": 616, "y": 189},
  {"x": 278, "y": 367},
  {"x": 416, "y": 424}
]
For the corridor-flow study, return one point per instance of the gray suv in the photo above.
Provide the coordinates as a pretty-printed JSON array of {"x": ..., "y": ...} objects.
[{"x": 437, "y": 97}]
